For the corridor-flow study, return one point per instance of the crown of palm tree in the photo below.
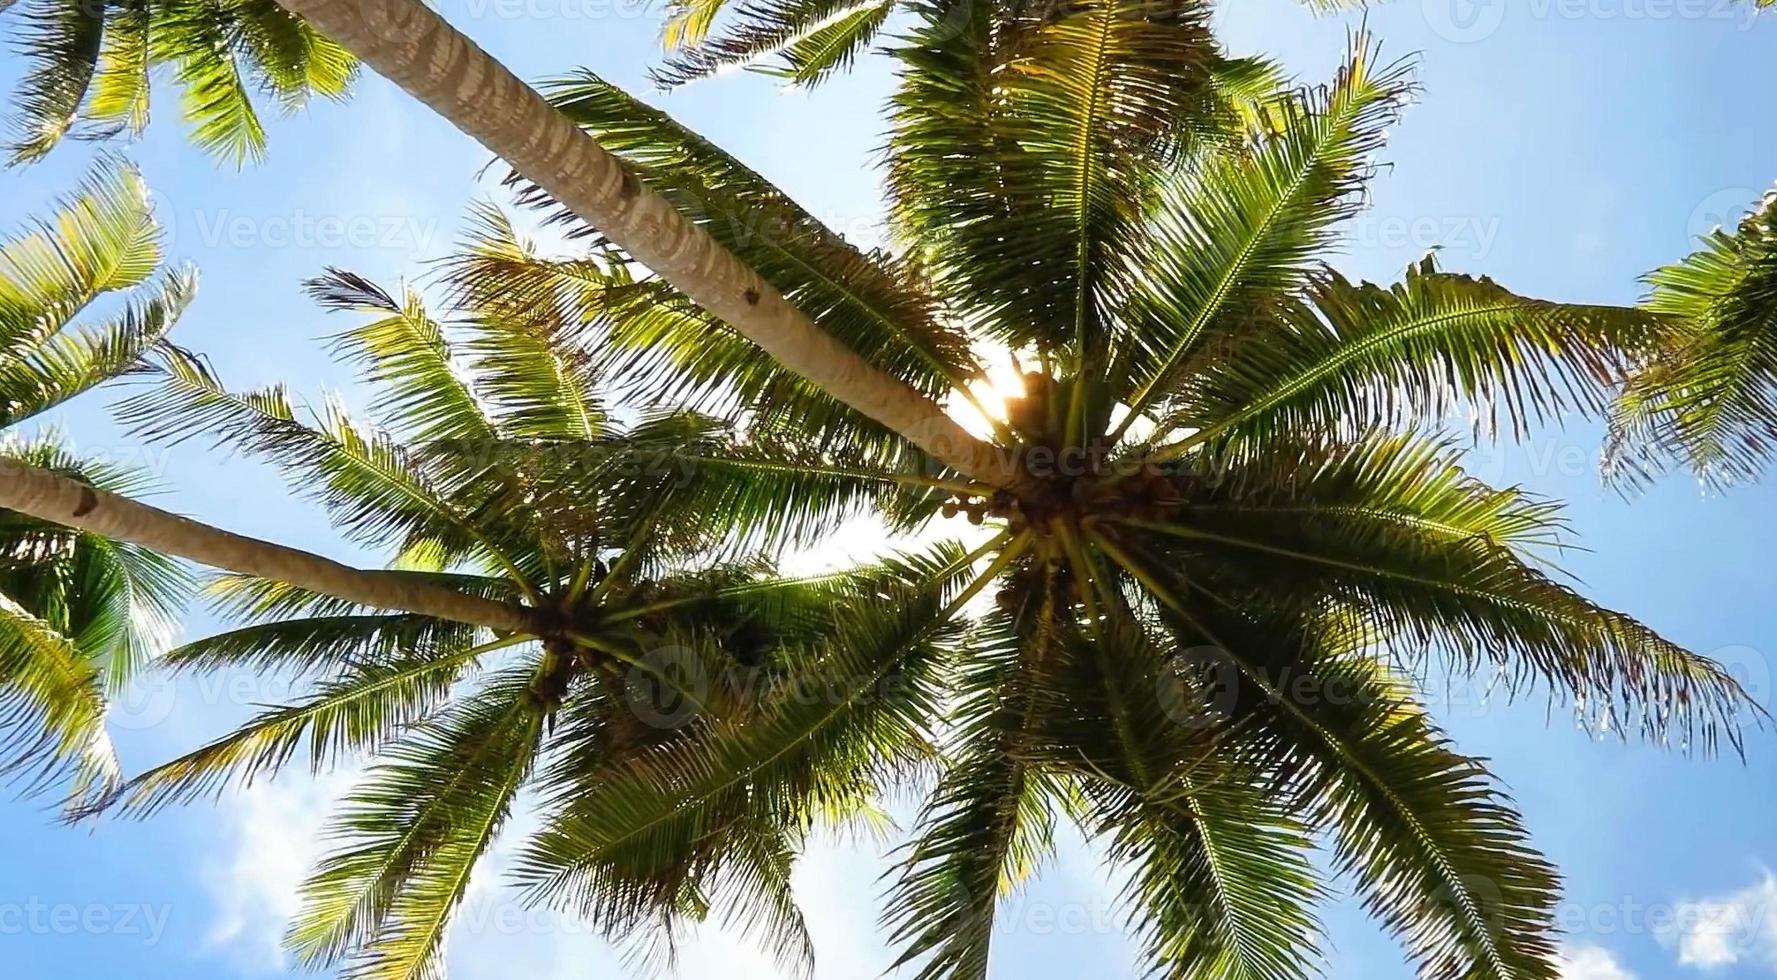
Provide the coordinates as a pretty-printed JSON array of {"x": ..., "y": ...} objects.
[
  {"x": 79, "y": 614},
  {"x": 500, "y": 473},
  {"x": 1234, "y": 536},
  {"x": 93, "y": 60}
]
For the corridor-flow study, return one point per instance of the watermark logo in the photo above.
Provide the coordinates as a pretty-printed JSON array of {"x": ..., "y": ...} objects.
[
  {"x": 1470, "y": 21},
  {"x": 667, "y": 687},
  {"x": 1721, "y": 210},
  {"x": 1464, "y": 21}
]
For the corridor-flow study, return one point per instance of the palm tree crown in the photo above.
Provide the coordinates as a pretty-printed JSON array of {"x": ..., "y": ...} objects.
[
  {"x": 79, "y": 614},
  {"x": 501, "y": 473},
  {"x": 93, "y": 60},
  {"x": 1232, "y": 538},
  {"x": 1234, "y": 506}
]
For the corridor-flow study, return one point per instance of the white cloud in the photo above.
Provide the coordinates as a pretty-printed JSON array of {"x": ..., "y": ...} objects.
[
  {"x": 1739, "y": 927},
  {"x": 272, "y": 838},
  {"x": 1592, "y": 963}
]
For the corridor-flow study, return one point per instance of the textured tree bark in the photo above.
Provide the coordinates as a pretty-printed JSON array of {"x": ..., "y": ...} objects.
[
  {"x": 48, "y": 497},
  {"x": 407, "y": 43}
]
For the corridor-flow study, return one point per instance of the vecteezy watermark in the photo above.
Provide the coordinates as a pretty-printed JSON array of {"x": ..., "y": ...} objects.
[
  {"x": 150, "y": 699},
  {"x": 36, "y": 917},
  {"x": 587, "y": 10},
  {"x": 1468, "y": 236},
  {"x": 1721, "y": 210},
  {"x": 1469, "y": 21},
  {"x": 300, "y": 229}
]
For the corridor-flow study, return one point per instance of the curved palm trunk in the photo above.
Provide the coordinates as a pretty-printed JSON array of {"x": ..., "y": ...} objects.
[
  {"x": 48, "y": 497},
  {"x": 410, "y": 45}
]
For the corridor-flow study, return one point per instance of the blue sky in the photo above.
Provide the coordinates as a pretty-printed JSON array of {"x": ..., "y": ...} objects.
[{"x": 1561, "y": 146}]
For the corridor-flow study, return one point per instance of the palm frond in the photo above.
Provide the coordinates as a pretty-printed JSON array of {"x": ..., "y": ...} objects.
[
  {"x": 1435, "y": 846},
  {"x": 411, "y": 833},
  {"x": 100, "y": 239},
  {"x": 990, "y": 821},
  {"x": 424, "y": 394},
  {"x": 366, "y": 479},
  {"x": 200, "y": 40},
  {"x": 540, "y": 380},
  {"x": 291, "y": 59},
  {"x": 321, "y": 643},
  {"x": 366, "y": 706},
  {"x": 871, "y": 303},
  {"x": 72, "y": 362},
  {"x": 812, "y": 39},
  {"x": 1707, "y": 396},
  {"x": 119, "y": 98},
  {"x": 1474, "y": 598},
  {"x": 91, "y": 61},
  {"x": 61, "y": 42},
  {"x": 1356, "y": 358},
  {"x": 748, "y": 492},
  {"x": 52, "y": 706},
  {"x": 1026, "y": 143},
  {"x": 1220, "y": 878},
  {"x": 1231, "y": 237}
]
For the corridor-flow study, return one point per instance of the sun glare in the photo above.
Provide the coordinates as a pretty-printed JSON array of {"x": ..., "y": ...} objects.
[{"x": 1003, "y": 382}]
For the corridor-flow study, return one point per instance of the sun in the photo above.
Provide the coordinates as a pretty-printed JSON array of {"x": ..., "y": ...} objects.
[{"x": 1004, "y": 382}]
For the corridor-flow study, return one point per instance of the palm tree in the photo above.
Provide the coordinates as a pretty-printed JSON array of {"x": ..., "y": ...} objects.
[
  {"x": 1708, "y": 397},
  {"x": 1238, "y": 538},
  {"x": 1222, "y": 540},
  {"x": 499, "y": 472},
  {"x": 93, "y": 60},
  {"x": 79, "y": 614}
]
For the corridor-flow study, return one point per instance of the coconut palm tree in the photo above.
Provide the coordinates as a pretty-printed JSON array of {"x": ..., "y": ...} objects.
[
  {"x": 1708, "y": 398},
  {"x": 79, "y": 614},
  {"x": 93, "y": 61},
  {"x": 500, "y": 473},
  {"x": 1235, "y": 537},
  {"x": 1221, "y": 539}
]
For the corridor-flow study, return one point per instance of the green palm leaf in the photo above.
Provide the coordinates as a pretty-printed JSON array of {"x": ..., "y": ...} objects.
[
  {"x": 368, "y": 704},
  {"x": 1425, "y": 832},
  {"x": 411, "y": 833},
  {"x": 990, "y": 821},
  {"x": 1706, "y": 396},
  {"x": 91, "y": 61},
  {"x": 1060, "y": 125},
  {"x": 101, "y": 239},
  {"x": 61, "y": 41},
  {"x": 1379, "y": 538},
  {"x": 542, "y": 383},
  {"x": 118, "y": 100},
  {"x": 812, "y": 38},
  {"x": 51, "y": 704},
  {"x": 73, "y": 361},
  {"x": 871, "y": 303},
  {"x": 1358, "y": 357},
  {"x": 1235, "y": 234},
  {"x": 365, "y": 478}
]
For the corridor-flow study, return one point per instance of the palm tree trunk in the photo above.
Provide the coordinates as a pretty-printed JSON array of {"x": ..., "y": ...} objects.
[
  {"x": 44, "y": 495},
  {"x": 407, "y": 43}
]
